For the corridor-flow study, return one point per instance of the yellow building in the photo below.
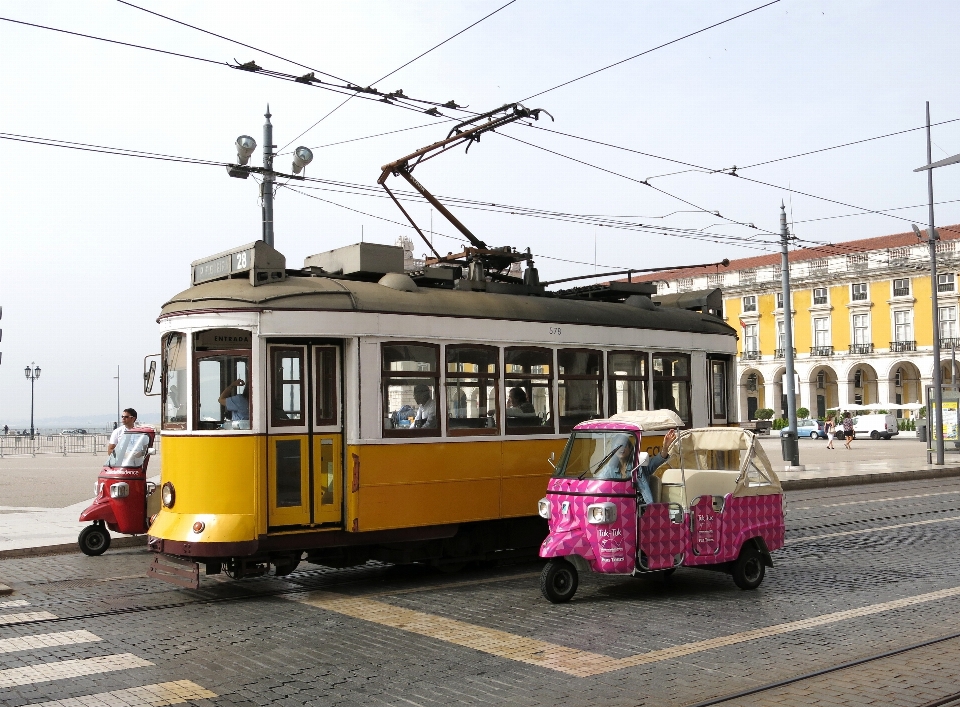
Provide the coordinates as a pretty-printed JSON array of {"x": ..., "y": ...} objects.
[{"x": 862, "y": 321}]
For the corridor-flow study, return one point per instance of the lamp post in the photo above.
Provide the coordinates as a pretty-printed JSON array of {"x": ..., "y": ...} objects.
[
  {"x": 32, "y": 374},
  {"x": 932, "y": 238}
]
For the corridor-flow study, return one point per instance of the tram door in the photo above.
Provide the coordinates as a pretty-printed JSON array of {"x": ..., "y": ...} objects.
[{"x": 305, "y": 436}]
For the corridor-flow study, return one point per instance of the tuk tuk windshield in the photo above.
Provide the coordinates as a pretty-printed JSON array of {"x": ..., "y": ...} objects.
[
  {"x": 130, "y": 451},
  {"x": 598, "y": 455}
]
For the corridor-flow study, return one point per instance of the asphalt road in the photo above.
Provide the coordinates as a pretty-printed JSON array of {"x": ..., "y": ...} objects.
[{"x": 866, "y": 569}]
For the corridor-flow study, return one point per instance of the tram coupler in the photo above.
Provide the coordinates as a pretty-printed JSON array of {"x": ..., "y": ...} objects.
[{"x": 175, "y": 570}]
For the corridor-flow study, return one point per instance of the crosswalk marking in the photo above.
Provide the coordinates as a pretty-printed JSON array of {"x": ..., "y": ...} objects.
[
  {"x": 46, "y": 640},
  {"x": 571, "y": 660},
  {"x": 63, "y": 669},
  {"x": 164, "y": 693},
  {"x": 13, "y": 604},
  {"x": 8, "y": 619}
]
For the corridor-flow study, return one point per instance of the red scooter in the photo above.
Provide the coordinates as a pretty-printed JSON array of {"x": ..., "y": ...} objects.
[{"x": 122, "y": 493}]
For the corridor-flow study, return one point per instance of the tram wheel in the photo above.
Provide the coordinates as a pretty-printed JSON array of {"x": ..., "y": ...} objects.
[
  {"x": 284, "y": 568},
  {"x": 559, "y": 581},
  {"x": 94, "y": 540},
  {"x": 748, "y": 569}
]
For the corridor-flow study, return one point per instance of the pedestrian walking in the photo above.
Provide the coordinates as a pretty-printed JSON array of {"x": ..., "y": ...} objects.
[
  {"x": 847, "y": 430},
  {"x": 829, "y": 427}
]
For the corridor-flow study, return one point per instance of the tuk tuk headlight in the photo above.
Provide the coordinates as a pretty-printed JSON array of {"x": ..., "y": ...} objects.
[
  {"x": 544, "y": 508},
  {"x": 121, "y": 489},
  {"x": 168, "y": 495},
  {"x": 601, "y": 513}
]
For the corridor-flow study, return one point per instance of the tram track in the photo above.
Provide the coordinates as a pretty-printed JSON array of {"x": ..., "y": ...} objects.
[
  {"x": 859, "y": 521},
  {"x": 769, "y": 687}
]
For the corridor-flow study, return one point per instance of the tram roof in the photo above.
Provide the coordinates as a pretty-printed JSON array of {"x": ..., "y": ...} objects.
[{"x": 332, "y": 294}]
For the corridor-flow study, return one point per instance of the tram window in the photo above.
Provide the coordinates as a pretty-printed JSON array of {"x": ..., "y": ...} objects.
[
  {"x": 410, "y": 376},
  {"x": 174, "y": 381},
  {"x": 223, "y": 401},
  {"x": 472, "y": 385},
  {"x": 326, "y": 383},
  {"x": 627, "y": 375},
  {"x": 580, "y": 387},
  {"x": 289, "y": 491},
  {"x": 528, "y": 374},
  {"x": 671, "y": 384},
  {"x": 286, "y": 409}
]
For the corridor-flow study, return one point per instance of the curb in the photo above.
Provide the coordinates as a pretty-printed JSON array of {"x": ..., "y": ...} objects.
[
  {"x": 876, "y": 478},
  {"x": 69, "y": 549}
]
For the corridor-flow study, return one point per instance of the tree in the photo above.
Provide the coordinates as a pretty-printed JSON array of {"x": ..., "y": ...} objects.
[
  {"x": 803, "y": 413},
  {"x": 763, "y": 414}
]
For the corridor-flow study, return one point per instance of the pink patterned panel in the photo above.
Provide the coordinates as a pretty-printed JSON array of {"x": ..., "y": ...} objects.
[
  {"x": 607, "y": 425},
  {"x": 609, "y": 548},
  {"x": 706, "y": 529},
  {"x": 660, "y": 538},
  {"x": 751, "y": 517}
]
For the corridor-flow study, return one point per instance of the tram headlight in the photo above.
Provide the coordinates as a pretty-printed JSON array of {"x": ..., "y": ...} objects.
[
  {"x": 544, "y": 508},
  {"x": 168, "y": 495},
  {"x": 601, "y": 513}
]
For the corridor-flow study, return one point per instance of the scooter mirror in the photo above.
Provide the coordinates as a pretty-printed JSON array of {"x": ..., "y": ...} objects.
[
  {"x": 551, "y": 458},
  {"x": 642, "y": 459},
  {"x": 151, "y": 451},
  {"x": 151, "y": 487}
]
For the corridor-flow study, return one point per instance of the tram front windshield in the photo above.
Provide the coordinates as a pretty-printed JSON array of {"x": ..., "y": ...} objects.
[
  {"x": 598, "y": 455},
  {"x": 130, "y": 451}
]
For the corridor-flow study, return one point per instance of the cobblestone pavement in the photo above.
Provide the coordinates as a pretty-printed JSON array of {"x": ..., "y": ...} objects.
[{"x": 866, "y": 570}]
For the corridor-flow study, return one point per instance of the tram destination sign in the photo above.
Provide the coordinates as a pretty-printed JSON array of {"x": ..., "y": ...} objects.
[{"x": 256, "y": 258}]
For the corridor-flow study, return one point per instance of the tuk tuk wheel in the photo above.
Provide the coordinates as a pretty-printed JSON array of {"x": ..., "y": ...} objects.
[
  {"x": 559, "y": 580},
  {"x": 94, "y": 540},
  {"x": 748, "y": 569}
]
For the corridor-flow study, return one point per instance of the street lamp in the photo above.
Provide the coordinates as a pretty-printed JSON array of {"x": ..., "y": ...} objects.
[
  {"x": 302, "y": 156},
  {"x": 932, "y": 237},
  {"x": 32, "y": 374}
]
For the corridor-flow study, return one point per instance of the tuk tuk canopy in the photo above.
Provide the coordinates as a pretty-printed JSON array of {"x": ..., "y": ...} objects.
[{"x": 649, "y": 420}]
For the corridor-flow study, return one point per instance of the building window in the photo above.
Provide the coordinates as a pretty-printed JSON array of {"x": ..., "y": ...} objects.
[
  {"x": 902, "y": 325},
  {"x": 472, "y": 384},
  {"x": 580, "y": 388},
  {"x": 750, "y": 303},
  {"x": 671, "y": 384},
  {"x": 945, "y": 282},
  {"x": 945, "y": 246},
  {"x": 857, "y": 261},
  {"x": 858, "y": 399},
  {"x": 861, "y": 333},
  {"x": 821, "y": 330},
  {"x": 821, "y": 380},
  {"x": 858, "y": 379},
  {"x": 777, "y": 272},
  {"x": 818, "y": 266},
  {"x": 410, "y": 375},
  {"x": 752, "y": 383},
  {"x": 898, "y": 378},
  {"x": 820, "y": 295},
  {"x": 748, "y": 277},
  {"x": 859, "y": 291},
  {"x": 751, "y": 340},
  {"x": 685, "y": 284},
  {"x": 715, "y": 279},
  {"x": 780, "y": 336},
  {"x": 529, "y": 381},
  {"x": 628, "y": 381},
  {"x": 948, "y": 322},
  {"x": 173, "y": 381},
  {"x": 779, "y": 300},
  {"x": 901, "y": 287}
]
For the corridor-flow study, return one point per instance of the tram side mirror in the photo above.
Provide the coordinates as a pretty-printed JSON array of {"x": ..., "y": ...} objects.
[
  {"x": 551, "y": 458},
  {"x": 150, "y": 375}
]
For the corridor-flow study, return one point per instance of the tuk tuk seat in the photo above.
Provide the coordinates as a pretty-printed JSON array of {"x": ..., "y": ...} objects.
[{"x": 699, "y": 482}]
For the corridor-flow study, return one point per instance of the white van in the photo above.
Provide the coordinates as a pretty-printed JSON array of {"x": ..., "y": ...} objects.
[{"x": 876, "y": 426}]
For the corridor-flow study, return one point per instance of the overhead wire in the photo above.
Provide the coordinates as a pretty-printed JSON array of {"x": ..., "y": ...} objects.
[{"x": 648, "y": 51}]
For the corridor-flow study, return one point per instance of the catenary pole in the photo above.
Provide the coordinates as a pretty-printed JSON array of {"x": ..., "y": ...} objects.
[
  {"x": 789, "y": 378},
  {"x": 266, "y": 187},
  {"x": 932, "y": 244}
]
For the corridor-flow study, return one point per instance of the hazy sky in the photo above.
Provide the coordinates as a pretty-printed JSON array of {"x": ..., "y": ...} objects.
[{"x": 93, "y": 245}]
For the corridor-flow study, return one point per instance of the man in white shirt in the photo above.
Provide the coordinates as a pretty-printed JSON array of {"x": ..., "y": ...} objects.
[
  {"x": 427, "y": 412},
  {"x": 128, "y": 419}
]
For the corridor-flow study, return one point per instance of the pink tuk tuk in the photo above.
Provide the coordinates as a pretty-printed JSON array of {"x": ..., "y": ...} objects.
[{"x": 715, "y": 503}]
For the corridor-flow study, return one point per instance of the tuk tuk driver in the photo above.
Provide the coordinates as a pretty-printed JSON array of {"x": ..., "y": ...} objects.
[{"x": 653, "y": 463}]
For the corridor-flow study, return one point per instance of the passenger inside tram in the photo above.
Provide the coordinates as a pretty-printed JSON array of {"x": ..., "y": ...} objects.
[
  {"x": 427, "y": 412},
  {"x": 237, "y": 404}
]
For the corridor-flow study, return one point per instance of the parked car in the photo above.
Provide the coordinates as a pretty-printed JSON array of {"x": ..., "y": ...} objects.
[
  {"x": 808, "y": 428},
  {"x": 73, "y": 432},
  {"x": 876, "y": 426}
]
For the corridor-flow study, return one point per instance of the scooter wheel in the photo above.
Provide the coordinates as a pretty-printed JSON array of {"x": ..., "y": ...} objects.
[
  {"x": 748, "y": 568},
  {"x": 559, "y": 581},
  {"x": 94, "y": 540}
]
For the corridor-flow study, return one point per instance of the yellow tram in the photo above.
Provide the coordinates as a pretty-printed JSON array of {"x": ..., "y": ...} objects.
[{"x": 351, "y": 410}]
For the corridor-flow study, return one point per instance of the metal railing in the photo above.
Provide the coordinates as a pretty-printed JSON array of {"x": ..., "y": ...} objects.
[
  {"x": 750, "y": 356},
  {"x": 22, "y": 445},
  {"x": 782, "y": 353},
  {"x": 860, "y": 349},
  {"x": 949, "y": 342},
  {"x": 821, "y": 351},
  {"x": 902, "y": 346}
]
